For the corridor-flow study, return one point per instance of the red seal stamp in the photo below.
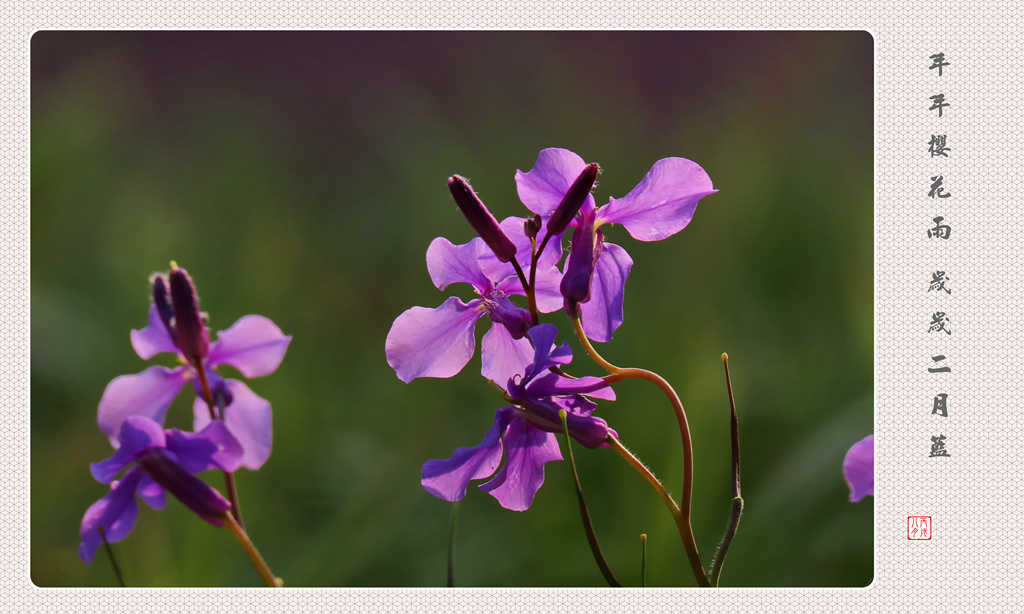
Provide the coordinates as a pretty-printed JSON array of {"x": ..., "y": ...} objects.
[{"x": 919, "y": 527}]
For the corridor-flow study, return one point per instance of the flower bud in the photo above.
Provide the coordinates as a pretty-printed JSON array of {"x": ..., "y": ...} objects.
[
  {"x": 503, "y": 311},
  {"x": 193, "y": 339},
  {"x": 590, "y": 431},
  {"x": 573, "y": 199},
  {"x": 196, "y": 494},
  {"x": 481, "y": 219},
  {"x": 587, "y": 243},
  {"x": 162, "y": 301},
  {"x": 532, "y": 226}
]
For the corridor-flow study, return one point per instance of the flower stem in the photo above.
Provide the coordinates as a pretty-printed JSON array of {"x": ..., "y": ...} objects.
[
  {"x": 682, "y": 522},
  {"x": 643, "y": 559},
  {"x": 229, "y": 478},
  {"x": 737, "y": 499},
  {"x": 261, "y": 566},
  {"x": 113, "y": 560},
  {"x": 588, "y": 526},
  {"x": 617, "y": 374},
  {"x": 531, "y": 291}
]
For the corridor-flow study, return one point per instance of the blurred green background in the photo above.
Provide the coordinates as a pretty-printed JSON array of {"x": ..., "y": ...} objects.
[{"x": 301, "y": 176}]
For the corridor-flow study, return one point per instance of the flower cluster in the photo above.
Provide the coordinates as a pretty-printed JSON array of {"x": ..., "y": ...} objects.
[
  {"x": 520, "y": 256},
  {"x": 232, "y": 424}
]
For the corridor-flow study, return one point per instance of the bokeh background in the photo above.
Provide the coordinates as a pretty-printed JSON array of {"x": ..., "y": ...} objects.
[{"x": 301, "y": 176}]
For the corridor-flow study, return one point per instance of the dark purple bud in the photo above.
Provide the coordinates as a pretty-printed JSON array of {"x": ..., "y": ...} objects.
[
  {"x": 193, "y": 338},
  {"x": 573, "y": 199},
  {"x": 162, "y": 301},
  {"x": 532, "y": 226},
  {"x": 481, "y": 219},
  {"x": 503, "y": 311},
  {"x": 196, "y": 494},
  {"x": 590, "y": 431},
  {"x": 587, "y": 243}
]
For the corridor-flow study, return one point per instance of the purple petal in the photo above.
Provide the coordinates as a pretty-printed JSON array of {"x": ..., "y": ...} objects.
[
  {"x": 449, "y": 264},
  {"x": 548, "y": 291},
  {"x": 549, "y": 294},
  {"x": 248, "y": 420},
  {"x": 542, "y": 188},
  {"x": 663, "y": 203},
  {"x": 254, "y": 345},
  {"x": 153, "y": 339},
  {"x": 527, "y": 449},
  {"x": 137, "y": 435},
  {"x": 502, "y": 356},
  {"x": 214, "y": 447},
  {"x": 602, "y": 314},
  {"x": 152, "y": 493},
  {"x": 147, "y": 394},
  {"x": 859, "y": 468},
  {"x": 116, "y": 513},
  {"x": 448, "y": 479},
  {"x": 545, "y": 355},
  {"x": 433, "y": 342}
]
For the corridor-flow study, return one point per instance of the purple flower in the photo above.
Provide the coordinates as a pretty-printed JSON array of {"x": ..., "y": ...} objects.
[
  {"x": 439, "y": 342},
  {"x": 859, "y": 468},
  {"x": 661, "y": 205},
  {"x": 163, "y": 461},
  {"x": 525, "y": 431},
  {"x": 254, "y": 345}
]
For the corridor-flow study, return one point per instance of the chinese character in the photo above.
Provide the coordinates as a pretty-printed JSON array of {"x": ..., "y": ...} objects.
[
  {"x": 939, "y": 358},
  {"x": 938, "y": 61},
  {"x": 938, "y": 446},
  {"x": 938, "y": 324},
  {"x": 937, "y": 189},
  {"x": 939, "y": 279},
  {"x": 939, "y": 404},
  {"x": 938, "y": 102},
  {"x": 941, "y": 230},
  {"x": 937, "y": 146}
]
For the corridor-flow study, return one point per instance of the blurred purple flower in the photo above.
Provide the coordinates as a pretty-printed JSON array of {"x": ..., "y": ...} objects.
[
  {"x": 439, "y": 342},
  {"x": 163, "y": 461},
  {"x": 254, "y": 345},
  {"x": 525, "y": 431},
  {"x": 661, "y": 205},
  {"x": 859, "y": 468}
]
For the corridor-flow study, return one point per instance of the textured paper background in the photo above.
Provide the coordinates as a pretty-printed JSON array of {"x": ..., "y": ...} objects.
[{"x": 973, "y": 561}]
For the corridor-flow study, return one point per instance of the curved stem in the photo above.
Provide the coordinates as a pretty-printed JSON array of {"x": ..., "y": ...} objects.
[
  {"x": 618, "y": 374},
  {"x": 261, "y": 566},
  {"x": 578, "y": 325},
  {"x": 682, "y": 518},
  {"x": 646, "y": 473}
]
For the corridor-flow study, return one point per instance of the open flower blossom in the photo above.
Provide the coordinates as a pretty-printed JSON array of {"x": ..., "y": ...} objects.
[
  {"x": 859, "y": 468},
  {"x": 659, "y": 206},
  {"x": 439, "y": 342},
  {"x": 525, "y": 431},
  {"x": 254, "y": 345},
  {"x": 162, "y": 461}
]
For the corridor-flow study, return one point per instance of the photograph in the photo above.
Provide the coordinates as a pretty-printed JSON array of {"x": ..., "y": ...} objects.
[{"x": 538, "y": 308}]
